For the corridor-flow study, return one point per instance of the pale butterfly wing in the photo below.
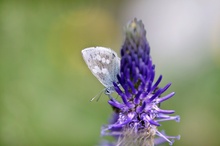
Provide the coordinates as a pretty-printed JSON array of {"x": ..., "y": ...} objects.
[{"x": 103, "y": 63}]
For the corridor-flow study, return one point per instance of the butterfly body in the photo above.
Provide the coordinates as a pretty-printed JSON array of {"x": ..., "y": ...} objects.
[{"x": 104, "y": 65}]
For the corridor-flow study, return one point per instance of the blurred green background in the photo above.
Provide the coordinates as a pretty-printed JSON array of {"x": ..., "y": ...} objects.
[{"x": 45, "y": 86}]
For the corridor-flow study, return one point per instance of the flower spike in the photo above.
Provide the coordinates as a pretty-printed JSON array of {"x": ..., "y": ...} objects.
[{"x": 138, "y": 113}]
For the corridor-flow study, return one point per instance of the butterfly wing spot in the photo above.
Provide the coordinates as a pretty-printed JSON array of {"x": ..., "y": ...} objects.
[
  {"x": 98, "y": 57},
  {"x": 96, "y": 70},
  {"x": 103, "y": 60},
  {"x": 104, "y": 71},
  {"x": 113, "y": 55},
  {"x": 107, "y": 61}
]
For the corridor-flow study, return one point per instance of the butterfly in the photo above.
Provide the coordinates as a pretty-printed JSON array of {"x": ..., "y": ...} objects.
[{"x": 104, "y": 65}]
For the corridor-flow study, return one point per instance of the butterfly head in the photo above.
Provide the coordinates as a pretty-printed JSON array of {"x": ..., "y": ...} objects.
[{"x": 109, "y": 90}]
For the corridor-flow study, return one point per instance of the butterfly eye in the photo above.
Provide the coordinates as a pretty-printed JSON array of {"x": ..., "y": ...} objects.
[{"x": 107, "y": 92}]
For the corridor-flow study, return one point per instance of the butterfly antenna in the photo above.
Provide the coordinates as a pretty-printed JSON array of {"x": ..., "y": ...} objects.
[{"x": 98, "y": 95}]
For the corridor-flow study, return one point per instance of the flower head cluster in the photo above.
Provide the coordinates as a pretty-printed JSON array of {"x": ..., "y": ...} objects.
[{"x": 138, "y": 114}]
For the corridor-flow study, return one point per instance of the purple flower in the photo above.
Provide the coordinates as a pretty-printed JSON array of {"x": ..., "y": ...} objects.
[{"x": 137, "y": 113}]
